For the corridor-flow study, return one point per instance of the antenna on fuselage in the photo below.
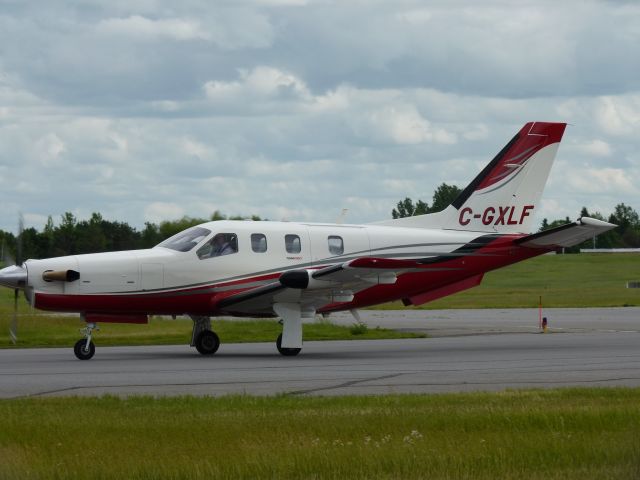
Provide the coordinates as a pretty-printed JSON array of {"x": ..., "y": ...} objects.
[{"x": 342, "y": 216}]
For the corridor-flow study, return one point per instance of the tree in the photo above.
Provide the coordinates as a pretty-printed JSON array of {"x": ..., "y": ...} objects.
[
  {"x": 90, "y": 235},
  {"x": 406, "y": 208},
  {"x": 64, "y": 239},
  {"x": 442, "y": 198},
  {"x": 625, "y": 217},
  {"x": 150, "y": 235}
]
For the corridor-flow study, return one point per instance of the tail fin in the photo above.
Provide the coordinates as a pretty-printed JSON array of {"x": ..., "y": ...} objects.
[{"x": 504, "y": 196}]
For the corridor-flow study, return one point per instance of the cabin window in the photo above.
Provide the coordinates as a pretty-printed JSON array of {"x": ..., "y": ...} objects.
[
  {"x": 336, "y": 245},
  {"x": 258, "y": 243},
  {"x": 186, "y": 240},
  {"x": 292, "y": 243},
  {"x": 220, "y": 245}
]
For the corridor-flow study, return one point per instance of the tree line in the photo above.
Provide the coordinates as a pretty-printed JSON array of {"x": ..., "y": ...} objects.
[{"x": 72, "y": 236}]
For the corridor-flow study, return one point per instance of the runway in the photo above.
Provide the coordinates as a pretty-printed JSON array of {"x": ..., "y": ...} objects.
[{"x": 493, "y": 361}]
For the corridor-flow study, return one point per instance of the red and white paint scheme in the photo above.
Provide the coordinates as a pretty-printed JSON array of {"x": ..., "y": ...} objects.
[{"x": 296, "y": 270}]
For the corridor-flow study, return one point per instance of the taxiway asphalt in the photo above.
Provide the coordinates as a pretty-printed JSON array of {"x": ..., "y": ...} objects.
[{"x": 598, "y": 355}]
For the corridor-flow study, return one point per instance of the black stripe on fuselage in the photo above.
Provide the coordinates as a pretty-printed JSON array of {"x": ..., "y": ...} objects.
[{"x": 468, "y": 249}]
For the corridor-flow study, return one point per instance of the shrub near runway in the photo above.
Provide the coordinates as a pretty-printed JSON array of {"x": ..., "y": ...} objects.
[{"x": 555, "y": 434}]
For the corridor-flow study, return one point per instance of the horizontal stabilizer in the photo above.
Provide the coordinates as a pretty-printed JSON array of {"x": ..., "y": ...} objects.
[{"x": 567, "y": 235}]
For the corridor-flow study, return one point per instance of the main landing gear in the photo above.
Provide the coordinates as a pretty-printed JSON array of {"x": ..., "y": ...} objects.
[
  {"x": 207, "y": 342},
  {"x": 289, "y": 342},
  {"x": 203, "y": 338},
  {"x": 84, "y": 348},
  {"x": 287, "y": 352}
]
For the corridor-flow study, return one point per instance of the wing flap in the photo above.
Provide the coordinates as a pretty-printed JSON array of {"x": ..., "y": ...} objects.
[{"x": 566, "y": 235}]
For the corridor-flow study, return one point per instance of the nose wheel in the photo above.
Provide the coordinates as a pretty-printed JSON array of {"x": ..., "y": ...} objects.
[
  {"x": 84, "y": 351},
  {"x": 84, "y": 348}
]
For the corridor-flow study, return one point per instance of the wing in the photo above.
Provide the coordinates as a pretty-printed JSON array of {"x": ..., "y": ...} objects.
[
  {"x": 313, "y": 289},
  {"x": 566, "y": 235}
]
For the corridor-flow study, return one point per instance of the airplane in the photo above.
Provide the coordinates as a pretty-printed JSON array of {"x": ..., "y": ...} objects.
[{"x": 295, "y": 270}]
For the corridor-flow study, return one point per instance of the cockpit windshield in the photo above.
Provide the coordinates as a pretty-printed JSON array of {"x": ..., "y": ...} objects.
[{"x": 186, "y": 240}]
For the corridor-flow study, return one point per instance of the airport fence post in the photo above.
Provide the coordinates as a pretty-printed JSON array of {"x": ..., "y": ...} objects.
[{"x": 540, "y": 312}]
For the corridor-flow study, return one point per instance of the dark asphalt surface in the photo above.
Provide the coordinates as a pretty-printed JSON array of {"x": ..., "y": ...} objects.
[{"x": 589, "y": 353}]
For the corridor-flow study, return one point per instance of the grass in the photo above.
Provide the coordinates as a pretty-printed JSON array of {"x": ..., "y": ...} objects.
[
  {"x": 38, "y": 330},
  {"x": 552, "y": 434},
  {"x": 584, "y": 280}
]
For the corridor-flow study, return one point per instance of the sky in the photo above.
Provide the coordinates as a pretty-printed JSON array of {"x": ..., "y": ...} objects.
[{"x": 148, "y": 110}]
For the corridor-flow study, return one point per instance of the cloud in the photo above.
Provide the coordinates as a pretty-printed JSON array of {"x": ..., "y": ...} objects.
[
  {"x": 159, "y": 211},
  {"x": 49, "y": 149},
  {"x": 290, "y": 108},
  {"x": 262, "y": 82},
  {"x": 619, "y": 116},
  {"x": 603, "y": 180},
  {"x": 415, "y": 17},
  {"x": 404, "y": 125},
  {"x": 597, "y": 148},
  {"x": 141, "y": 27}
]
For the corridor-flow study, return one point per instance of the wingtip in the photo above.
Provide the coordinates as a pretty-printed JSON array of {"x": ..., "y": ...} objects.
[{"x": 594, "y": 222}]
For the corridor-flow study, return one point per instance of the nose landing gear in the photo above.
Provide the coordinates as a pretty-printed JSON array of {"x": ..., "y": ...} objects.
[{"x": 84, "y": 348}]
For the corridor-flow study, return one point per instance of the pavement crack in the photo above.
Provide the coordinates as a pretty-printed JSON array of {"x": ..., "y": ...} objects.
[{"x": 350, "y": 383}]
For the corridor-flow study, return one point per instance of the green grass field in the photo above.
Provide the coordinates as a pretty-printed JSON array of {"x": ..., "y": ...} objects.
[
  {"x": 584, "y": 280},
  {"x": 555, "y": 434}
]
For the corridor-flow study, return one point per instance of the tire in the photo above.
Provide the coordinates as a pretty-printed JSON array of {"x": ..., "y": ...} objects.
[
  {"x": 287, "y": 352},
  {"x": 80, "y": 349},
  {"x": 207, "y": 342}
]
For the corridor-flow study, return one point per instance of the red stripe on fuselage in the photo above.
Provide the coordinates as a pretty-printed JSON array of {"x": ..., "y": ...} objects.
[{"x": 196, "y": 300}]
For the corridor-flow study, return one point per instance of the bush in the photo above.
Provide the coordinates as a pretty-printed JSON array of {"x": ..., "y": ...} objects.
[{"x": 359, "y": 328}]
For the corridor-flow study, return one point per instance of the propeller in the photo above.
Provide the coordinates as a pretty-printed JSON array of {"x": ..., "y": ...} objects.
[{"x": 15, "y": 277}]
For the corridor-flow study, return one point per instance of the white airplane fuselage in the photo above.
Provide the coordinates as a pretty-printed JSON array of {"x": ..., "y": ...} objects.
[{"x": 165, "y": 281}]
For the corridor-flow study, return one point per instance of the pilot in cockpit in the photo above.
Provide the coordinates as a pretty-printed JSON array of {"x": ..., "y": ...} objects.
[{"x": 221, "y": 245}]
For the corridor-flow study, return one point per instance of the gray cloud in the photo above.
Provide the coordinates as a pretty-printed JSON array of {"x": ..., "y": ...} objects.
[{"x": 292, "y": 109}]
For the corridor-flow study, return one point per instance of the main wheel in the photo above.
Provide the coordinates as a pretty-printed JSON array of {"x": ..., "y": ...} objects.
[
  {"x": 81, "y": 350},
  {"x": 207, "y": 342},
  {"x": 287, "y": 352}
]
